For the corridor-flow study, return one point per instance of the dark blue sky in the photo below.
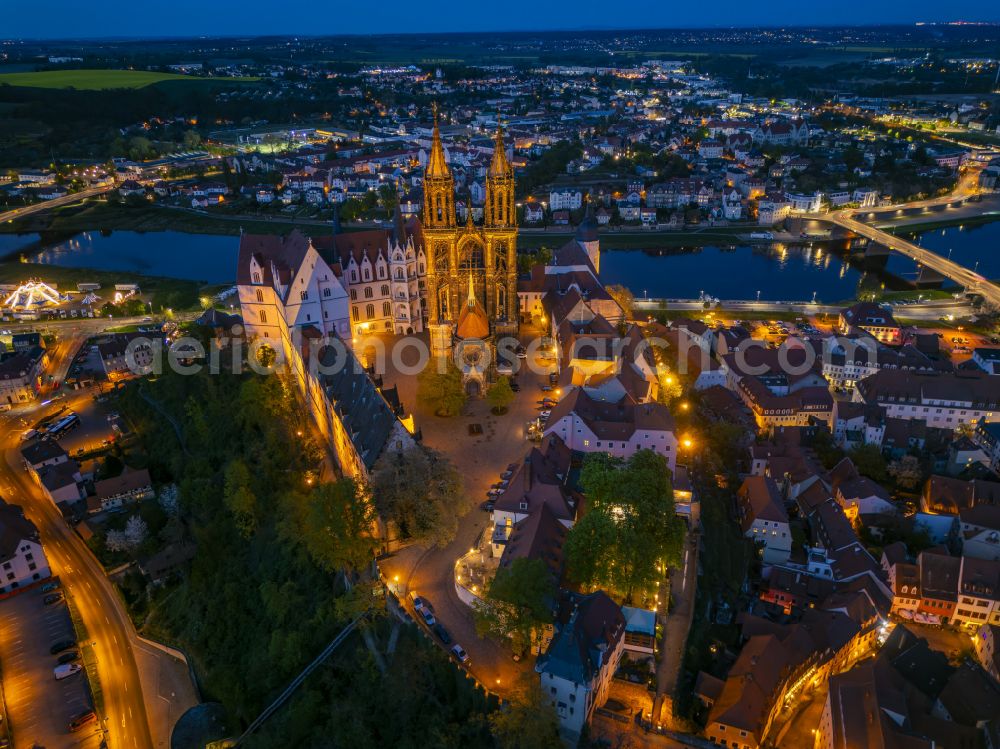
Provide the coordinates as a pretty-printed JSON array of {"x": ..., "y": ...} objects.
[{"x": 101, "y": 18}]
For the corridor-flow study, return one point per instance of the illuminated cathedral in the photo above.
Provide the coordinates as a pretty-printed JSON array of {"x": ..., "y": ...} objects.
[{"x": 472, "y": 269}]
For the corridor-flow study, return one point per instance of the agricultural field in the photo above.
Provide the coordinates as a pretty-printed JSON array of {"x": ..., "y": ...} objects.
[{"x": 97, "y": 80}]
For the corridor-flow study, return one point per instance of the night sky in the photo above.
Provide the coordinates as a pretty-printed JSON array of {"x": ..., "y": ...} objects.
[{"x": 147, "y": 18}]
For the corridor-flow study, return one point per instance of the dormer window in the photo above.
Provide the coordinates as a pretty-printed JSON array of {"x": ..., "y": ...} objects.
[
  {"x": 367, "y": 274},
  {"x": 256, "y": 277}
]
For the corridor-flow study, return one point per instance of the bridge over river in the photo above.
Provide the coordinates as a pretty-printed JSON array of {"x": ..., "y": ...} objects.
[{"x": 970, "y": 280}]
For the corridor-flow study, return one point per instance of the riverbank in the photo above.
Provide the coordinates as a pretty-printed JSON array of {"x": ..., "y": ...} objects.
[
  {"x": 99, "y": 215},
  {"x": 102, "y": 216},
  {"x": 640, "y": 240},
  {"x": 926, "y": 226},
  {"x": 984, "y": 211},
  {"x": 167, "y": 293}
]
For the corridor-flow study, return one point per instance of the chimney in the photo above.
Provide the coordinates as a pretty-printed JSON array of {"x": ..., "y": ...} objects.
[{"x": 527, "y": 473}]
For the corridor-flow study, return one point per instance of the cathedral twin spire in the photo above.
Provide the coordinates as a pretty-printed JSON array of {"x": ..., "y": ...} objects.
[
  {"x": 439, "y": 185},
  {"x": 437, "y": 164}
]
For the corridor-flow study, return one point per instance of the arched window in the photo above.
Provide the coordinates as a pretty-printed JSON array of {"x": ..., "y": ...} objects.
[
  {"x": 354, "y": 295},
  {"x": 370, "y": 311},
  {"x": 260, "y": 295},
  {"x": 256, "y": 277},
  {"x": 354, "y": 275},
  {"x": 355, "y": 314},
  {"x": 399, "y": 274},
  {"x": 472, "y": 257},
  {"x": 263, "y": 317},
  {"x": 381, "y": 271},
  {"x": 386, "y": 309},
  {"x": 368, "y": 292},
  {"x": 367, "y": 274},
  {"x": 385, "y": 289},
  {"x": 421, "y": 267}
]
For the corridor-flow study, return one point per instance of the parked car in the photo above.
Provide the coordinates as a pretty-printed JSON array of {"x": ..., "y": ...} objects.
[
  {"x": 62, "y": 645},
  {"x": 459, "y": 652},
  {"x": 69, "y": 657},
  {"x": 65, "y": 670},
  {"x": 545, "y": 414},
  {"x": 50, "y": 586},
  {"x": 429, "y": 619},
  {"x": 442, "y": 633},
  {"x": 82, "y": 720},
  {"x": 418, "y": 602},
  {"x": 52, "y": 598}
]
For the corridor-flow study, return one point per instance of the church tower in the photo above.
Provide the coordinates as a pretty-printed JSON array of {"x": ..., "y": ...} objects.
[
  {"x": 500, "y": 231},
  {"x": 439, "y": 229},
  {"x": 470, "y": 262}
]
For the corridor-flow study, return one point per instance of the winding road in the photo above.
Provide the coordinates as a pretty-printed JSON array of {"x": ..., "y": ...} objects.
[{"x": 100, "y": 608}]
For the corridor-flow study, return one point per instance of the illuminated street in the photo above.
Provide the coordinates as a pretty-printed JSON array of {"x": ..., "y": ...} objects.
[{"x": 99, "y": 605}]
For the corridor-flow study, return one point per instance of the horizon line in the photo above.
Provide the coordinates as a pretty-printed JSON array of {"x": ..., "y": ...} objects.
[{"x": 957, "y": 23}]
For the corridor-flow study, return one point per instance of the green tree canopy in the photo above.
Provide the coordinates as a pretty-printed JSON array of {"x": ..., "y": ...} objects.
[
  {"x": 441, "y": 390},
  {"x": 336, "y": 524},
  {"x": 527, "y": 721},
  {"x": 420, "y": 492},
  {"x": 500, "y": 394},
  {"x": 869, "y": 462},
  {"x": 624, "y": 297},
  {"x": 629, "y": 530},
  {"x": 518, "y": 603}
]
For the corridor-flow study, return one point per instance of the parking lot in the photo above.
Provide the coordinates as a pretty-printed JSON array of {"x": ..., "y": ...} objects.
[{"x": 40, "y": 708}]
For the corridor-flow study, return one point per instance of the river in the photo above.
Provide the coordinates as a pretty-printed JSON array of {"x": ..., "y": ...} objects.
[
  {"x": 203, "y": 257},
  {"x": 797, "y": 273}
]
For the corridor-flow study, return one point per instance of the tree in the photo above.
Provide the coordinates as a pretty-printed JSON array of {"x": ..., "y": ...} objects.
[
  {"x": 870, "y": 289},
  {"x": 129, "y": 539},
  {"x": 420, "y": 492},
  {"x": 336, "y": 526},
  {"x": 239, "y": 497},
  {"x": 518, "y": 603},
  {"x": 527, "y": 721},
  {"x": 906, "y": 471},
  {"x": 443, "y": 391},
  {"x": 111, "y": 466},
  {"x": 500, "y": 394},
  {"x": 671, "y": 386},
  {"x": 191, "y": 140},
  {"x": 140, "y": 148},
  {"x": 869, "y": 462},
  {"x": 266, "y": 356},
  {"x": 630, "y": 531},
  {"x": 136, "y": 532},
  {"x": 624, "y": 298},
  {"x": 169, "y": 499}
]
